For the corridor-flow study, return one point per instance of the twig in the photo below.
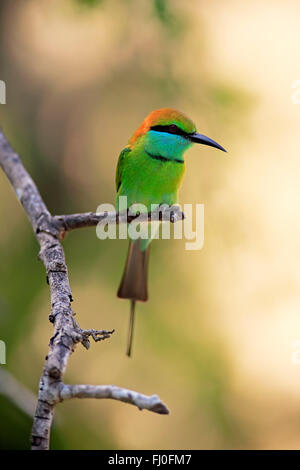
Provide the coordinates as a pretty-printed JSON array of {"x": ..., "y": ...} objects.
[
  {"x": 49, "y": 230},
  {"x": 143, "y": 402},
  {"x": 65, "y": 223}
]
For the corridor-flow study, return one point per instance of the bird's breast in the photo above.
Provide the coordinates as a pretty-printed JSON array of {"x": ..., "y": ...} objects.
[{"x": 152, "y": 179}]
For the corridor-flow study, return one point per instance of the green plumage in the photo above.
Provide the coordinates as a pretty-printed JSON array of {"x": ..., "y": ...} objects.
[{"x": 147, "y": 180}]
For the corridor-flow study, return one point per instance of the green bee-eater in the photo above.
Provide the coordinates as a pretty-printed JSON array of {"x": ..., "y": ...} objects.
[{"x": 150, "y": 171}]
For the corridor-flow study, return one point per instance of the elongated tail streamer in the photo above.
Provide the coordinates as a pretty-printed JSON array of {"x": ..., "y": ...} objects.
[{"x": 131, "y": 327}]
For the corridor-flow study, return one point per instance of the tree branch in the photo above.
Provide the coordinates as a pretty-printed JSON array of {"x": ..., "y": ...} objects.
[
  {"x": 65, "y": 223},
  {"x": 49, "y": 230},
  {"x": 143, "y": 402}
]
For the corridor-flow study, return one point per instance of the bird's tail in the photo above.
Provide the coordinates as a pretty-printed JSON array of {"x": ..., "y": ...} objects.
[
  {"x": 133, "y": 285},
  {"x": 134, "y": 281}
]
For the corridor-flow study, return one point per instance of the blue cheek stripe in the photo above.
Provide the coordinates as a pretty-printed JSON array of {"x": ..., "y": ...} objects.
[{"x": 170, "y": 146}]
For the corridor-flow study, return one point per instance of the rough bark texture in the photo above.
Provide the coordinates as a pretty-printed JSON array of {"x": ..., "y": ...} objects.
[{"x": 49, "y": 230}]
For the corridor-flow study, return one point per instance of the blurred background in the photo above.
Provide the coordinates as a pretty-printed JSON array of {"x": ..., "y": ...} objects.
[{"x": 217, "y": 339}]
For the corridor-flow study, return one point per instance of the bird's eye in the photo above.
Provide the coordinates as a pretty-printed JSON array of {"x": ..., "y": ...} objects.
[{"x": 173, "y": 128}]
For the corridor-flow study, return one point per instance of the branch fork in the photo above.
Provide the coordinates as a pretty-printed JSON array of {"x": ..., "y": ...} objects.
[{"x": 49, "y": 231}]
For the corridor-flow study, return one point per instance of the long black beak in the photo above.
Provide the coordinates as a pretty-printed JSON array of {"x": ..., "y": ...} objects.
[{"x": 202, "y": 139}]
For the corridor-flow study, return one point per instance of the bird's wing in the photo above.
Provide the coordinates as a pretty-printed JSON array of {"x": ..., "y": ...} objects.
[{"x": 121, "y": 165}]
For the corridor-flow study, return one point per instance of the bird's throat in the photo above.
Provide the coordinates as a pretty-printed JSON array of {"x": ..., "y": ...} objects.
[{"x": 165, "y": 147}]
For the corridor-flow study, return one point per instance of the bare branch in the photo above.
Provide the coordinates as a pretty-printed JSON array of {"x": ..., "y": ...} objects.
[
  {"x": 143, "y": 402},
  {"x": 49, "y": 230},
  {"x": 97, "y": 335},
  {"x": 25, "y": 189},
  {"x": 65, "y": 223}
]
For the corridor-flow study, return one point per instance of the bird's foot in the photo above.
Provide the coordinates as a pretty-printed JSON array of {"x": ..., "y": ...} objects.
[{"x": 170, "y": 213}]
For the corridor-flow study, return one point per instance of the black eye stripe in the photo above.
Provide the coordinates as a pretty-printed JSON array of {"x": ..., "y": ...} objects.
[{"x": 171, "y": 129}]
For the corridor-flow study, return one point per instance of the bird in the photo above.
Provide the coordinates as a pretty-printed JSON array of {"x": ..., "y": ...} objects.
[{"x": 150, "y": 170}]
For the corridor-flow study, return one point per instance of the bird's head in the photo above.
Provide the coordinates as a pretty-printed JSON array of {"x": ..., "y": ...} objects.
[{"x": 168, "y": 133}]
